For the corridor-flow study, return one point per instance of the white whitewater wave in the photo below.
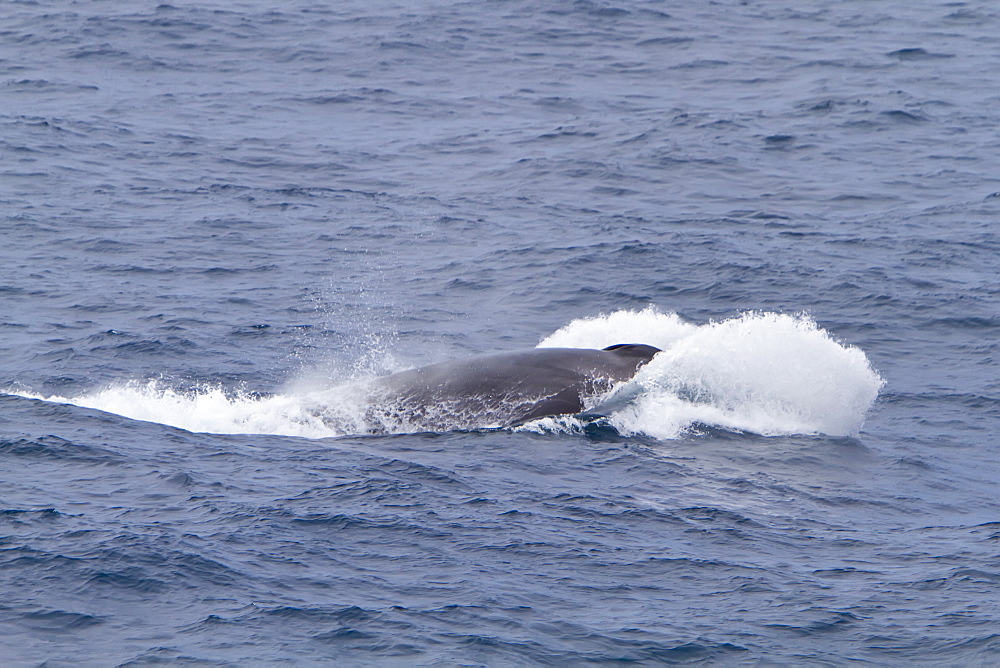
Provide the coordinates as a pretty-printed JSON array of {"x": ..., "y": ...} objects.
[
  {"x": 764, "y": 373},
  {"x": 649, "y": 326},
  {"x": 207, "y": 409}
]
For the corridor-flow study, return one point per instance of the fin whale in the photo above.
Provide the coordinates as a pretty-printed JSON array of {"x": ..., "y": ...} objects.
[{"x": 502, "y": 389}]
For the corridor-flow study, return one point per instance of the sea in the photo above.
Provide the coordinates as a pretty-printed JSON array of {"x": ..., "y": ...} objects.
[{"x": 219, "y": 218}]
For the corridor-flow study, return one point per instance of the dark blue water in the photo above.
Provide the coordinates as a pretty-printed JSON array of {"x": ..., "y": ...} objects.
[{"x": 218, "y": 217}]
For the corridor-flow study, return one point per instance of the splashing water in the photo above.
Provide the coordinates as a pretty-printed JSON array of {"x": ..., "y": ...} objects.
[{"x": 764, "y": 373}]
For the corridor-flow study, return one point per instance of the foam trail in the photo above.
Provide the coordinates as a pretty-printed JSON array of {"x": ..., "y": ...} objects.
[{"x": 208, "y": 409}]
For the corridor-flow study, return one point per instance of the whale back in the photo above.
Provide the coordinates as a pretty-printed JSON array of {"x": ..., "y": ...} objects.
[{"x": 505, "y": 389}]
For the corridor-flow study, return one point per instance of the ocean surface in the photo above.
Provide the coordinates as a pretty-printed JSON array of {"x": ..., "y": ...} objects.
[{"x": 217, "y": 219}]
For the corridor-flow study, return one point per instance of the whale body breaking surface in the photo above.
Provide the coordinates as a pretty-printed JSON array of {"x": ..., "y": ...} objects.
[
  {"x": 762, "y": 373},
  {"x": 503, "y": 389}
]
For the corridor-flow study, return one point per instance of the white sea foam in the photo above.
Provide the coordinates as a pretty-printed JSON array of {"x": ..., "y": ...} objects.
[
  {"x": 207, "y": 409},
  {"x": 649, "y": 326},
  {"x": 764, "y": 373}
]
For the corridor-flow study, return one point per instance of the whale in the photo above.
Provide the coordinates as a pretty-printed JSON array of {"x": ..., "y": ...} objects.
[{"x": 501, "y": 390}]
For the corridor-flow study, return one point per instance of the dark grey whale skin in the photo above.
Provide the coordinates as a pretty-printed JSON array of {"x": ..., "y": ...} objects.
[{"x": 506, "y": 389}]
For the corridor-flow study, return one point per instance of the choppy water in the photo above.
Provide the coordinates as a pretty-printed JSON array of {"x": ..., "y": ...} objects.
[{"x": 217, "y": 216}]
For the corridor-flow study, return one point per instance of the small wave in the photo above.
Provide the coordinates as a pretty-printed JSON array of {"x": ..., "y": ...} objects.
[
  {"x": 209, "y": 409},
  {"x": 765, "y": 373}
]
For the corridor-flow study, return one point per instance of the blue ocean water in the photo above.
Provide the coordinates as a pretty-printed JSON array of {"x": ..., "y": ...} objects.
[{"x": 217, "y": 217}]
